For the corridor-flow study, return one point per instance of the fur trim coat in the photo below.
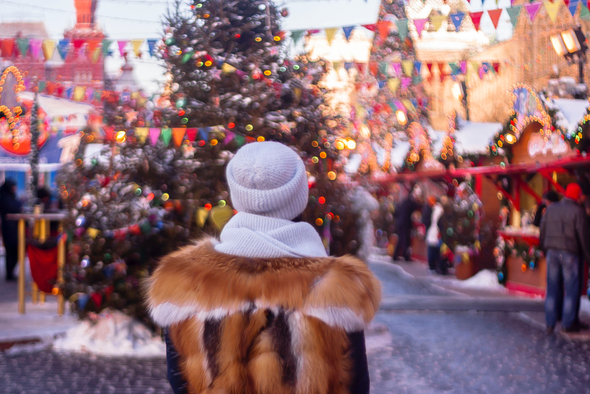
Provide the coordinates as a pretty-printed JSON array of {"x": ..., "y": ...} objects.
[{"x": 262, "y": 326}]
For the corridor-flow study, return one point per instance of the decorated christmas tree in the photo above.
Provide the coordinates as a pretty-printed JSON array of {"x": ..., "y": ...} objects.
[
  {"x": 390, "y": 95},
  {"x": 160, "y": 181}
]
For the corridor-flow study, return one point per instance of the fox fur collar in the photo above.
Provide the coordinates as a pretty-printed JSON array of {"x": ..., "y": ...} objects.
[{"x": 198, "y": 282}]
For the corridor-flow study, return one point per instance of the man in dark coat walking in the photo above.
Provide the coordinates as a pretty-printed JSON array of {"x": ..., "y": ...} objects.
[
  {"x": 9, "y": 204},
  {"x": 563, "y": 238},
  {"x": 403, "y": 224}
]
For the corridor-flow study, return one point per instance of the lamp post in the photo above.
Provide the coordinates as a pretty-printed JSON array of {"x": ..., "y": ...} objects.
[{"x": 571, "y": 44}]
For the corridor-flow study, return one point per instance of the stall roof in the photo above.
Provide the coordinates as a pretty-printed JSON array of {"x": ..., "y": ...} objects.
[{"x": 573, "y": 111}]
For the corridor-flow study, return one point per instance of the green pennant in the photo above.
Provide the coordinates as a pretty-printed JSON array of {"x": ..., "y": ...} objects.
[
  {"x": 454, "y": 68},
  {"x": 296, "y": 35},
  {"x": 187, "y": 56},
  {"x": 514, "y": 12},
  {"x": 106, "y": 44},
  {"x": 402, "y": 28},
  {"x": 383, "y": 68},
  {"x": 166, "y": 135},
  {"x": 392, "y": 106},
  {"x": 417, "y": 79},
  {"x": 42, "y": 86},
  {"x": 239, "y": 140},
  {"x": 585, "y": 13},
  {"x": 23, "y": 45}
]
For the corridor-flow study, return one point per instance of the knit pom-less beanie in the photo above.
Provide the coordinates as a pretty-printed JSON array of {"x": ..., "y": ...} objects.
[{"x": 268, "y": 179}]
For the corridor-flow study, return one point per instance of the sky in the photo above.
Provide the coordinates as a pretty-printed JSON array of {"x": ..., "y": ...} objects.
[{"x": 130, "y": 19}]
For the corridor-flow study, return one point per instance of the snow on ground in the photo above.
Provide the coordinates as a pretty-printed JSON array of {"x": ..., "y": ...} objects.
[
  {"x": 112, "y": 334},
  {"x": 483, "y": 280}
]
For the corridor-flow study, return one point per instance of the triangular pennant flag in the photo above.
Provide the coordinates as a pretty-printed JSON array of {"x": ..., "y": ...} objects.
[
  {"x": 418, "y": 67},
  {"x": 383, "y": 27},
  {"x": 348, "y": 65},
  {"x": 93, "y": 45},
  {"x": 191, "y": 134},
  {"x": 204, "y": 133},
  {"x": 402, "y": 28},
  {"x": 573, "y": 7},
  {"x": 178, "y": 135},
  {"x": 476, "y": 18},
  {"x": 141, "y": 133},
  {"x": 408, "y": 67},
  {"x": 347, "y": 31},
  {"x": 397, "y": 67},
  {"x": 383, "y": 68},
  {"x": 457, "y": 18},
  {"x": 48, "y": 49},
  {"x": 122, "y": 45},
  {"x": 23, "y": 46},
  {"x": 313, "y": 31},
  {"x": 69, "y": 92},
  {"x": 202, "y": 216},
  {"x": 552, "y": 9},
  {"x": 437, "y": 21},
  {"x": 419, "y": 24},
  {"x": 63, "y": 47},
  {"x": 393, "y": 84},
  {"x": 109, "y": 133},
  {"x": 496, "y": 67},
  {"x": 487, "y": 67},
  {"x": 296, "y": 35},
  {"x": 7, "y": 47},
  {"x": 95, "y": 55},
  {"x": 370, "y": 27},
  {"x": 154, "y": 136},
  {"x": 495, "y": 16},
  {"x": 137, "y": 43},
  {"x": 374, "y": 68},
  {"x": 514, "y": 12},
  {"x": 362, "y": 67},
  {"x": 106, "y": 44},
  {"x": 79, "y": 93},
  {"x": 584, "y": 14},
  {"x": 532, "y": 9},
  {"x": 463, "y": 67},
  {"x": 151, "y": 45},
  {"x": 35, "y": 46},
  {"x": 429, "y": 66},
  {"x": 166, "y": 135},
  {"x": 406, "y": 82},
  {"x": 475, "y": 66},
  {"x": 454, "y": 68},
  {"x": 78, "y": 43},
  {"x": 42, "y": 86},
  {"x": 330, "y": 33}
]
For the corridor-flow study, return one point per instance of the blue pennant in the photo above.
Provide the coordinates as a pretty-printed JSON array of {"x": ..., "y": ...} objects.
[{"x": 457, "y": 18}]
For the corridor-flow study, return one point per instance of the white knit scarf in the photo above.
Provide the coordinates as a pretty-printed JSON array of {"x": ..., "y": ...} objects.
[{"x": 256, "y": 236}]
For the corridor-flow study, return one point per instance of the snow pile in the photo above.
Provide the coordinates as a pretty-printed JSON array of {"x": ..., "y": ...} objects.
[
  {"x": 483, "y": 280},
  {"x": 112, "y": 334}
]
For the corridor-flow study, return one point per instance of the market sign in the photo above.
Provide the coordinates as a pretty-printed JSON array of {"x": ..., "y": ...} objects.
[
  {"x": 528, "y": 108},
  {"x": 541, "y": 144}
]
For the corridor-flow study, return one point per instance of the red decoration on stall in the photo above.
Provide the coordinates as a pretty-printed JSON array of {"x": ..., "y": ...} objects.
[{"x": 43, "y": 267}]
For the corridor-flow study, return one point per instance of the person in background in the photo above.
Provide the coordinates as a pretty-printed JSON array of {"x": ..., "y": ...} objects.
[
  {"x": 403, "y": 224},
  {"x": 563, "y": 239},
  {"x": 9, "y": 204},
  {"x": 548, "y": 198},
  {"x": 433, "y": 240}
]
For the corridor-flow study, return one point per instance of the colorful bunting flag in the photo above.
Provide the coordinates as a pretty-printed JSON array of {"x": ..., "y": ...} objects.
[
  {"x": 397, "y": 67},
  {"x": 93, "y": 45},
  {"x": 63, "y": 48},
  {"x": 476, "y": 18},
  {"x": 419, "y": 24},
  {"x": 136, "y": 44},
  {"x": 402, "y": 28},
  {"x": 23, "y": 45},
  {"x": 69, "y": 92},
  {"x": 457, "y": 18},
  {"x": 370, "y": 27},
  {"x": 383, "y": 28},
  {"x": 408, "y": 66},
  {"x": 296, "y": 35},
  {"x": 418, "y": 67},
  {"x": 532, "y": 9},
  {"x": 154, "y": 136},
  {"x": 495, "y": 16},
  {"x": 42, "y": 86},
  {"x": 347, "y": 31},
  {"x": 178, "y": 135},
  {"x": 48, "y": 49},
  {"x": 79, "y": 93},
  {"x": 454, "y": 68},
  {"x": 406, "y": 82},
  {"x": 78, "y": 43},
  {"x": 35, "y": 47},
  {"x": 191, "y": 134},
  {"x": 552, "y": 9},
  {"x": 7, "y": 47},
  {"x": 496, "y": 66},
  {"x": 437, "y": 21},
  {"x": 573, "y": 7},
  {"x": 330, "y": 33},
  {"x": 106, "y": 44},
  {"x": 584, "y": 14},
  {"x": 514, "y": 12},
  {"x": 151, "y": 45},
  {"x": 463, "y": 67},
  {"x": 122, "y": 45},
  {"x": 95, "y": 55}
]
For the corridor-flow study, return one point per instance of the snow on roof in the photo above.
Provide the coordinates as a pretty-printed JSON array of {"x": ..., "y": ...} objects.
[
  {"x": 573, "y": 111},
  {"x": 399, "y": 153},
  {"x": 474, "y": 137}
]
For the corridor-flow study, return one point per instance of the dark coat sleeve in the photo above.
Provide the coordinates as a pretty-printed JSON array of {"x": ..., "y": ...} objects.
[
  {"x": 360, "y": 383},
  {"x": 174, "y": 375},
  {"x": 539, "y": 215}
]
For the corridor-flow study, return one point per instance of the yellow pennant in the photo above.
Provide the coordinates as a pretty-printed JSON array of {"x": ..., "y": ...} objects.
[
  {"x": 330, "y": 33},
  {"x": 552, "y": 9},
  {"x": 141, "y": 134},
  {"x": 437, "y": 21},
  {"x": 220, "y": 216},
  {"x": 227, "y": 68},
  {"x": 409, "y": 106},
  {"x": 202, "y": 215},
  {"x": 92, "y": 232},
  {"x": 79, "y": 93},
  {"x": 48, "y": 49},
  {"x": 96, "y": 55},
  {"x": 393, "y": 84},
  {"x": 137, "y": 43},
  {"x": 408, "y": 67}
]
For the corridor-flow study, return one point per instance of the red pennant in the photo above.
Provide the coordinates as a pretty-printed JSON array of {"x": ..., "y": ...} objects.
[
  {"x": 496, "y": 67},
  {"x": 429, "y": 65},
  {"x": 371, "y": 27},
  {"x": 441, "y": 70},
  {"x": 97, "y": 299},
  {"x": 374, "y": 67},
  {"x": 383, "y": 27},
  {"x": 109, "y": 133},
  {"x": 7, "y": 47},
  {"x": 360, "y": 67},
  {"x": 567, "y": 3},
  {"x": 476, "y": 18},
  {"x": 78, "y": 43},
  {"x": 50, "y": 88},
  {"x": 191, "y": 134},
  {"x": 495, "y": 16}
]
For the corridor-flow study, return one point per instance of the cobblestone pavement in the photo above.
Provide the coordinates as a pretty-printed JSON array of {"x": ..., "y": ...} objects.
[{"x": 409, "y": 352}]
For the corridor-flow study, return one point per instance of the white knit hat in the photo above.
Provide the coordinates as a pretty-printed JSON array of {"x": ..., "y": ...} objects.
[{"x": 268, "y": 179}]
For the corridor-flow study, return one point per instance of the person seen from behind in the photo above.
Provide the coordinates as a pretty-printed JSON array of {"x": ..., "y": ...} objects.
[
  {"x": 563, "y": 239},
  {"x": 548, "y": 198},
  {"x": 433, "y": 239},
  {"x": 403, "y": 223},
  {"x": 9, "y": 204},
  {"x": 264, "y": 309}
]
